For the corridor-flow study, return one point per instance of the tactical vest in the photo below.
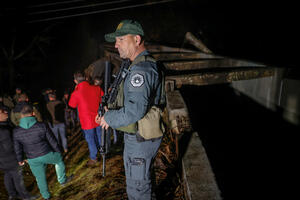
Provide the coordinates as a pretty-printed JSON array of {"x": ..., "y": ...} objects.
[{"x": 150, "y": 126}]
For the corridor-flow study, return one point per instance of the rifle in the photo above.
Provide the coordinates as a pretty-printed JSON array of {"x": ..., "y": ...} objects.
[
  {"x": 110, "y": 98},
  {"x": 120, "y": 76},
  {"x": 101, "y": 111}
]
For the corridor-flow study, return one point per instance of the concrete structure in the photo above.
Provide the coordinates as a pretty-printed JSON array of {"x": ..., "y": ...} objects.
[{"x": 277, "y": 93}]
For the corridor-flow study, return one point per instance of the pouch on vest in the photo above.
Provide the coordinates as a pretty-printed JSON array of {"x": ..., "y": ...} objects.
[
  {"x": 131, "y": 128},
  {"x": 151, "y": 125}
]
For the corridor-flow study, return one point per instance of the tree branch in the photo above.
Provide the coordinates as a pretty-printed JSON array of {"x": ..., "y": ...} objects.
[
  {"x": 4, "y": 52},
  {"x": 22, "y": 53}
]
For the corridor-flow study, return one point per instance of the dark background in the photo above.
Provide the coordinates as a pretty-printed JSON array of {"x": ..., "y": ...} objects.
[
  {"x": 255, "y": 30},
  {"x": 252, "y": 149}
]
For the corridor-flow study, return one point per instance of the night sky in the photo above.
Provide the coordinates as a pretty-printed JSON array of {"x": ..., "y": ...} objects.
[{"x": 252, "y": 30}]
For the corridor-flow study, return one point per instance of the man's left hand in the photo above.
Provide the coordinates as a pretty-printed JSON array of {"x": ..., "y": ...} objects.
[
  {"x": 98, "y": 119},
  {"x": 103, "y": 123}
]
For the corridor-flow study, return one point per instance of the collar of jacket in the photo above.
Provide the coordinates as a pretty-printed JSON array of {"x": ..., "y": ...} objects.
[
  {"x": 143, "y": 53},
  {"x": 27, "y": 122}
]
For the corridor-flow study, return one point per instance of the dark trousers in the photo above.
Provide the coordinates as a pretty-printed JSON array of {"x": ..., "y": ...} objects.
[
  {"x": 138, "y": 158},
  {"x": 59, "y": 131},
  {"x": 14, "y": 183}
]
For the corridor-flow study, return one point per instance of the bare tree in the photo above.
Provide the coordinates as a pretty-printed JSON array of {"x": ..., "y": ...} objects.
[{"x": 12, "y": 52}]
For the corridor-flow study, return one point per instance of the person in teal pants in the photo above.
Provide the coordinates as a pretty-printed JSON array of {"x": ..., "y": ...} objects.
[{"x": 40, "y": 147}]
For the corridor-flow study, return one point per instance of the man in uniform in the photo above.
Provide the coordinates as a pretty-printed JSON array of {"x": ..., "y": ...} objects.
[{"x": 139, "y": 94}]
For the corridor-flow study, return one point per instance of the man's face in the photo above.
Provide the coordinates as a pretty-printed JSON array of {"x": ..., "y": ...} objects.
[
  {"x": 3, "y": 115},
  {"x": 18, "y": 91},
  {"x": 126, "y": 45}
]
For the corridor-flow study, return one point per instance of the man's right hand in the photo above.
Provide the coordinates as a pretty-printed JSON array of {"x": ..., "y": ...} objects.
[{"x": 98, "y": 119}]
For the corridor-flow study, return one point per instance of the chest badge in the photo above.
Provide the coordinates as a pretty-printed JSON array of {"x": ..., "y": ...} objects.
[{"x": 137, "y": 80}]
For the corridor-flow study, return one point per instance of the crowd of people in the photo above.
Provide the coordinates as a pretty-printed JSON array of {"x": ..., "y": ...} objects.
[
  {"x": 38, "y": 131},
  {"x": 33, "y": 133},
  {"x": 39, "y": 138}
]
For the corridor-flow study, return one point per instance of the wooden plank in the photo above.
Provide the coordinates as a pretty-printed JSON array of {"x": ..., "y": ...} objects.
[
  {"x": 162, "y": 48},
  {"x": 189, "y": 37},
  {"x": 208, "y": 78},
  {"x": 177, "y": 56},
  {"x": 206, "y": 64},
  {"x": 178, "y": 115}
]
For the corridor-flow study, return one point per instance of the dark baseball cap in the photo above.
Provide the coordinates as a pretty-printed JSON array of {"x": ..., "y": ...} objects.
[{"x": 125, "y": 27}]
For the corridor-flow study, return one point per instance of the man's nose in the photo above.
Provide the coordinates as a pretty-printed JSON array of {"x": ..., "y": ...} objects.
[{"x": 116, "y": 44}]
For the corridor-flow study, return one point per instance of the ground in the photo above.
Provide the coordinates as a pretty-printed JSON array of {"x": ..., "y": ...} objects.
[{"x": 88, "y": 183}]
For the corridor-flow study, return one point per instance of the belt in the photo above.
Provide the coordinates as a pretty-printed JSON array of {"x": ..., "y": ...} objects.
[
  {"x": 130, "y": 133},
  {"x": 141, "y": 139}
]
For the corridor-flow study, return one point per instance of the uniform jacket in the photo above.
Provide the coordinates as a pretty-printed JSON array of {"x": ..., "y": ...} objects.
[
  {"x": 86, "y": 98},
  {"x": 15, "y": 113},
  {"x": 34, "y": 139},
  {"x": 142, "y": 89},
  {"x": 8, "y": 158}
]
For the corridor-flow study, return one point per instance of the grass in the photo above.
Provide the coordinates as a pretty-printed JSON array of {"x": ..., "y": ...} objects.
[{"x": 88, "y": 183}]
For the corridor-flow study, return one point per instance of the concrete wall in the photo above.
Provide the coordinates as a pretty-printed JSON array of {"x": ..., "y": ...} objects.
[
  {"x": 274, "y": 93},
  {"x": 290, "y": 100},
  {"x": 199, "y": 179}
]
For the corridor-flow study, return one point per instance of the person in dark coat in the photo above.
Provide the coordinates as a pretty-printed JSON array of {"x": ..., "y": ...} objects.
[
  {"x": 70, "y": 114},
  {"x": 56, "y": 124},
  {"x": 13, "y": 177},
  {"x": 37, "y": 142}
]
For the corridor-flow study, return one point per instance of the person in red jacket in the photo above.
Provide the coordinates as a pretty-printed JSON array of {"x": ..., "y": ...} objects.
[{"x": 86, "y": 98}]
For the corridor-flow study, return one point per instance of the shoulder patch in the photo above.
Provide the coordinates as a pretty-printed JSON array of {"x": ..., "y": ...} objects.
[{"x": 137, "y": 80}]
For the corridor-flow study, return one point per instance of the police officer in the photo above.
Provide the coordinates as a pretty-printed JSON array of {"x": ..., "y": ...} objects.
[{"x": 139, "y": 96}]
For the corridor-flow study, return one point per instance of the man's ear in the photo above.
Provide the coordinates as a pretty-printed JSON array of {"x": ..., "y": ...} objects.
[{"x": 138, "y": 39}]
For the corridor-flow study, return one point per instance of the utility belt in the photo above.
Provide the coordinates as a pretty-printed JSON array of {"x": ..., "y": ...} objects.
[{"x": 139, "y": 138}]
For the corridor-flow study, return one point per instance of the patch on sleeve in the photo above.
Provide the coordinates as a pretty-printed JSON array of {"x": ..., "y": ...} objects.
[{"x": 137, "y": 80}]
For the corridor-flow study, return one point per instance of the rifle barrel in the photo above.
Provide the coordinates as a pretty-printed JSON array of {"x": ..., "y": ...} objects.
[
  {"x": 107, "y": 77},
  {"x": 103, "y": 164}
]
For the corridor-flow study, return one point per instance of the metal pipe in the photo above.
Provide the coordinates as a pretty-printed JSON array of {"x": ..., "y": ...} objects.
[
  {"x": 99, "y": 11},
  {"x": 56, "y": 3},
  {"x": 76, "y": 7}
]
